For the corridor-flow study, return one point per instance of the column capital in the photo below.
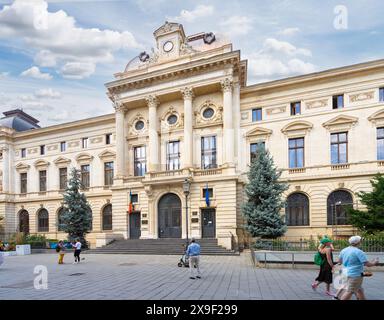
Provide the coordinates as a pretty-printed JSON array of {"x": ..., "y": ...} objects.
[
  {"x": 187, "y": 93},
  {"x": 119, "y": 107},
  {"x": 226, "y": 84},
  {"x": 152, "y": 100}
]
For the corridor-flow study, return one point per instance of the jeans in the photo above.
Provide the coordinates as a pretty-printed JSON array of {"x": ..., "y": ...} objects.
[{"x": 194, "y": 260}]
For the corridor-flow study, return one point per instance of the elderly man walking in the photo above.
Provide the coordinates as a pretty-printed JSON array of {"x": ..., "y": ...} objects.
[
  {"x": 193, "y": 252},
  {"x": 354, "y": 260}
]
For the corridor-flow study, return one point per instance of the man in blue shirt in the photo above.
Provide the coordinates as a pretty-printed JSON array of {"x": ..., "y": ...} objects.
[
  {"x": 193, "y": 252},
  {"x": 354, "y": 260}
]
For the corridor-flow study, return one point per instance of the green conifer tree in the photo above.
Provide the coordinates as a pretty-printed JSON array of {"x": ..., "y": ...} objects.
[
  {"x": 371, "y": 220},
  {"x": 264, "y": 193},
  {"x": 76, "y": 218}
]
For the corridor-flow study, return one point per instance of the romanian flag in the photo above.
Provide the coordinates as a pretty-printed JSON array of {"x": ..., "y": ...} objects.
[
  {"x": 207, "y": 195},
  {"x": 130, "y": 206}
]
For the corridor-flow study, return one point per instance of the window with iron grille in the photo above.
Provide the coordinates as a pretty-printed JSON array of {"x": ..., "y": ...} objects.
[
  {"x": 173, "y": 155},
  {"x": 43, "y": 221},
  {"x": 337, "y": 204},
  {"x": 107, "y": 217},
  {"x": 297, "y": 210},
  {"x": 140, "y": 161},
  {"x": 208, "y": 152},
  {"x": 60, "y": 219},
  {"x": 108, "y": 173}
]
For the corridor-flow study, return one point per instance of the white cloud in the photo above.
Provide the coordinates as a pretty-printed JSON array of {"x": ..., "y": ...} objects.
[
  {"x": 236, "y": 25},
  {"x": 35, "y": 72},
  {"x": 289, "y": 31},
  {"x": 190, "y": 16},
  {"x": 272, "y": 45},
  {"x": 77, "y": 70},
  {"x": 56, "y": 37},
  {"x": 48, "y": 93},
  {"x": 4, "y": 75}
]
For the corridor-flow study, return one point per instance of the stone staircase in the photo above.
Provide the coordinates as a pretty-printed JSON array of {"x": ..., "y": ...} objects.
[{"x": 160, "y": 247}]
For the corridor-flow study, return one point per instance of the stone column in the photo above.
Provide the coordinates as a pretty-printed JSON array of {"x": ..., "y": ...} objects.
[
  {"x": 229, "y": 137},
  {"x": 188, "y": 128},
  {"x": 236, "y": 120},
  {"x": 5, "y": 169},
  {"x": 120, "y": 171},
  {"x": 153, "y": 102}
]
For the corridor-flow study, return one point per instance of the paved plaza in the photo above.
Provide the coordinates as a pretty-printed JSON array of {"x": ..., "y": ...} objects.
[{"x": 158, "y": 277}]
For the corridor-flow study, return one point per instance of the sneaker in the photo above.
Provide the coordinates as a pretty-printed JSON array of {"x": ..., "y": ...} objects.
[
  {"x": 193, "y": 278},
  {"x": 314, "y": 286},
  {"x": 198, "y": 277}
]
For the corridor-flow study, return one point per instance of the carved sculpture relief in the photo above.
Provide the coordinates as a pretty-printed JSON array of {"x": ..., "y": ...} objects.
[
  {"x": 316, "y": 104},
  {"x": 361, "y": 96},
  {"x": 215, "y": 116},
  {"x": 96, "y": 140},
  {"x": 171, "y": 120},
  {"x": 137, "y": 125},
  {"x": 276, "y": 110}
]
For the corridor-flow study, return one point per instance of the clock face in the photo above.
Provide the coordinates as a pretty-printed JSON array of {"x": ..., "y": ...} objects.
[{"x": 168, "y": 46}]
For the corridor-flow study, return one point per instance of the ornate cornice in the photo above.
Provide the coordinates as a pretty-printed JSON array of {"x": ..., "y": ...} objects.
[
  {"x": 226, "y": 84},
  {"x": 187, "y": 93}
]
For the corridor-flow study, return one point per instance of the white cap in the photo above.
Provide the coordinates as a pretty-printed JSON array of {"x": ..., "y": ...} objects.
[{"x": 354, "y": 239}]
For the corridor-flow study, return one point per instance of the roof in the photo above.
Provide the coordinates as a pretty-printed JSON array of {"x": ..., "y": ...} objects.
[{"x": 18, "y": 120}]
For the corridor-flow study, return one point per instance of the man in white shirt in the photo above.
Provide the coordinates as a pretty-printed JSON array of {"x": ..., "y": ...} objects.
[{"x": 77, "y": 247}]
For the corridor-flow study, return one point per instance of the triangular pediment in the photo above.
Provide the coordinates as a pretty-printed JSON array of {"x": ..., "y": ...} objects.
[
  {"x": 107, "y": 154},
  {"x": 340, "y": 121},
  {"x": 62, "y": 161},
  {"x": 84, "y": 157},
  {"x": 41, "y": 163},
  {"x": 258, "y": 131},
  {"x": 22, "y": 166},
  {"x": 377, "y": 116},
  {"x": 297, "y": 126}
]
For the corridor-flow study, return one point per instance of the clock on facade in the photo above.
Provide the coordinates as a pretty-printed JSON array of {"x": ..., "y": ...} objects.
[{"x": 168, "y": 46}]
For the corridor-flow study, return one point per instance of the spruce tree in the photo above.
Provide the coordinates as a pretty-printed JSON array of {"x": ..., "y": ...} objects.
[
  {"x": 371, "y": 220},
  {"x": 76, "y": 217},
  {"x": 264, "y": 193}
]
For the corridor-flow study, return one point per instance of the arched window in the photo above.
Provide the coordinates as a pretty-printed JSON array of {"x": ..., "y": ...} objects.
[
  {"x": 43, "y": 221},
  {"x": 336, "y": 207},
  {"x": 60, "y": 220},
  {"x": 297, "y": 210},
  {"x": 24, "y": 221},
  {"x": 107, "y": 217}
]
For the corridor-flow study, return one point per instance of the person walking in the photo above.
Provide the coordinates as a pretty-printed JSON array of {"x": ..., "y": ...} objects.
[
  {"x": 193, "y": 252},
  {"x": 325, "y": 274},
  {"x": 60, "y": 249},
  {"x": 77, "y": 247},
  {"x": 354, "y": 260}
]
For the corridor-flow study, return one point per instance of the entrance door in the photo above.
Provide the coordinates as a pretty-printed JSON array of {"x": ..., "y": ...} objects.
[
  {"x": 24, "y": 221},
  {"x": 169, "y": 216},
  {"x": 209, "y": 223},
  {"x": 134, "y": 225}
]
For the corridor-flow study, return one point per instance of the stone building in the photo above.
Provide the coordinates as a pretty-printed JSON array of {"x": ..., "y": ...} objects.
[{"x": 184, "y": 112}]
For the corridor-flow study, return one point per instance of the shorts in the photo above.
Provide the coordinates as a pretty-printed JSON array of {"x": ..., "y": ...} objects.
[{"x": 354, "y": 284}]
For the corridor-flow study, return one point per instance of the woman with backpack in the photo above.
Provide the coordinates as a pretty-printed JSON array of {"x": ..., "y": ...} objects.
[
  {"x": 60, "y": 249},
  {"x": 326, "y": 265}
]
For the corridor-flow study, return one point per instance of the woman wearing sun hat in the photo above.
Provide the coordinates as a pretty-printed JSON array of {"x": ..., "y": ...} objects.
[{"x": 325, "y": 273}]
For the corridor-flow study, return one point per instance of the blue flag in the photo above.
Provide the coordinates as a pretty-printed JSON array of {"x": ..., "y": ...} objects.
[{"x": 207, "y": 195}]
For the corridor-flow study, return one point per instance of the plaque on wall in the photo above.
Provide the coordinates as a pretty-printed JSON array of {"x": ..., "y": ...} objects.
[{"x": 195, "y": 220}]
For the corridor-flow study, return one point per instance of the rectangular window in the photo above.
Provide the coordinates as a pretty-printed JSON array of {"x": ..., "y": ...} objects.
[
  {"x": 135, "y": 198},
  {"x": 208, "y": 152},
  {"x": 42, "y": 150},
  {"x": 173, "y": 155},
  {"x": 140, "y": 161},
  {"x": 63, "y": 146},
  {"x": 63, "y": 178},
  {"x": 210, "y": 192},
  {"x": 381, "y": 94},
  {"x": 108, "y": 137},
  {"x": 256, "y": 147},
  {"x": 338, "y": 101},
  {"x": 295, "y": 108},
  {"x": 85, "y": 179},
  {"x": 296, "y": 152},
  {"x": 43, "y": 180},
  {"x": 380, "y": 143},
  {"x": 257, "y": 114},
  {"x": 108, "y": 173},
  {"x": 84, "y": 143},
  {"x": 339, "y": 148},
  {"x": 23, "y": 182},
  {"x": 23, "y": 153}
]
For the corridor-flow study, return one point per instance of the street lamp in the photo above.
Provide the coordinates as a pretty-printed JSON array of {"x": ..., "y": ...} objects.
[{"x": 186, "y": 189}]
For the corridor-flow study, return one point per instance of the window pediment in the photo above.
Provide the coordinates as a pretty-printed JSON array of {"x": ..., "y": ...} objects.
[
  {"x": 62, "y": 161},
  {"x": 377, "y": 118},
  {"x": 258, "y": 132},
  {"x": 84, "y": 158},
  {"x": 107, "y": 154},
  {"x": 341, "y": 122},
  {"x": 40, "y": 164},
  {"x": 297, "y": 127},
  {"x": 22, "y": 166}
]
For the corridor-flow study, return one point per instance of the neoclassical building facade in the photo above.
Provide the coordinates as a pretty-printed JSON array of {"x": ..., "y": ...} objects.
[{"x": 184, "y": 112}]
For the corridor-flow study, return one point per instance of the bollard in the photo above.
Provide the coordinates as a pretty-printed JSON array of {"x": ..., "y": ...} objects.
[
  {"x": 265, "y": 259},
  {"x": 293, "y": 260}
]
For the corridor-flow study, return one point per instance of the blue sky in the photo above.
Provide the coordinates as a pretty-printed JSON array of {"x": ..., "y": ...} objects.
[{"x": 56, "y": 55}]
